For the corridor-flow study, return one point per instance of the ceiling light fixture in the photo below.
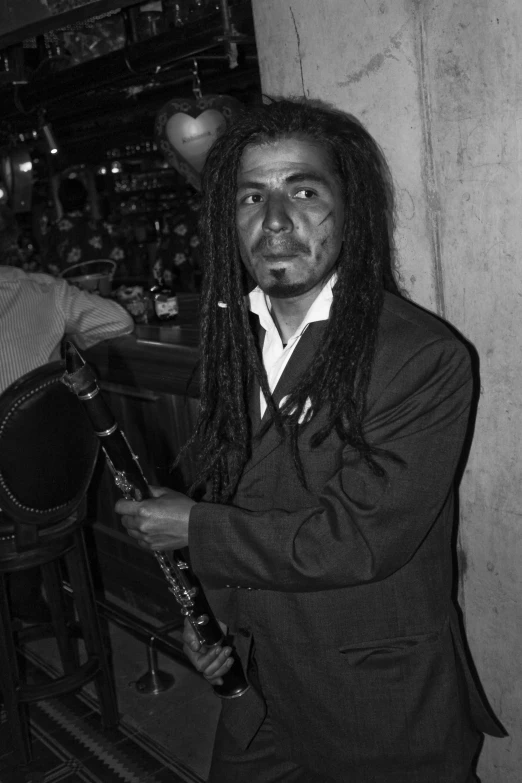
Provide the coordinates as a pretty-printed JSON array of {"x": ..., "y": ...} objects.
[{"x": 48, "y": 135}]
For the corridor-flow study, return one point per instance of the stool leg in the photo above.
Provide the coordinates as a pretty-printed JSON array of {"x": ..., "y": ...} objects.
[
  {"x": 81, "y": 583},
  {"x": 67, "y": 647},
  {"x": 16, "y": 712}
]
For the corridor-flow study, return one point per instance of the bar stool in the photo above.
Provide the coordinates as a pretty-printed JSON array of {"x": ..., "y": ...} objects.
[{"x": 47, "y": 456}]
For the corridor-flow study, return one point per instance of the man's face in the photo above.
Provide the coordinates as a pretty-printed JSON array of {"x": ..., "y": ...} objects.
[{"x": 289, "y": 216}]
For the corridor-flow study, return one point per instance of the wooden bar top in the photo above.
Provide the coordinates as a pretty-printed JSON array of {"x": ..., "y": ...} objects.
[{"x": 155, "y": 357}]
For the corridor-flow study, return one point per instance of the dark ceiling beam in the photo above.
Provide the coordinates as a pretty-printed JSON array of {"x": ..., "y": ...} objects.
[
  {"x": 179, "y": 84},
  {"x": 86, "y": 129},
  {"x": 133, "y": 118},
  {"x": 136, "y": 60},
  {"x": 46, "y": 24}
]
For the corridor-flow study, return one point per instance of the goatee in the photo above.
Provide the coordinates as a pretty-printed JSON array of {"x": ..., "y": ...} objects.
[{"x": 280, "y": 288}]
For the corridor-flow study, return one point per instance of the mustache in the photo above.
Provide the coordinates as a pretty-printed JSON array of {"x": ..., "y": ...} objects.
[{"x": 282, "y": 247}]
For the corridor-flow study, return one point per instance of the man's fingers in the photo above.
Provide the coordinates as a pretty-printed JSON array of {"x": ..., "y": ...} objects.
[
  {"x": 134, "y": 507},
  {"x": 127, "y": 507},
  {"x": 132, "y": 522},
  {"x": 157, "y": 492},
  {"x": 189, "y": 636},
  {"x": 221, "y": 665},
  {"x": 215, "y": 663},
  {"x": 130, "y": 526},
  {"x": 212, "y": 663}
]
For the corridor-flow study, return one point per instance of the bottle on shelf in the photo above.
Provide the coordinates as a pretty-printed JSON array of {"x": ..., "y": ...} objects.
[{"x": 163, "y": 296}]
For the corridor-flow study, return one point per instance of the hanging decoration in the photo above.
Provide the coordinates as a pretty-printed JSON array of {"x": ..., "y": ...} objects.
[
  {"x": 186, "y": 128},
  {"x": 16, "y": 172}
]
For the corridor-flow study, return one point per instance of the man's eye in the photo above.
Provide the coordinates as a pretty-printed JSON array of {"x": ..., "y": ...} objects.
[
  {"x": 254, "y": 198},
  {"x": 305, "y": 193}
]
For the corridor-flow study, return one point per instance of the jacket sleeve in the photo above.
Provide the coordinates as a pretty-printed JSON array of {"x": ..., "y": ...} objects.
[{"x": 361, "y": 527}]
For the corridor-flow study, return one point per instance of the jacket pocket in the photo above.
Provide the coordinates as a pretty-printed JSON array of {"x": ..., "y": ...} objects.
[{"x": 381, "y": 653}]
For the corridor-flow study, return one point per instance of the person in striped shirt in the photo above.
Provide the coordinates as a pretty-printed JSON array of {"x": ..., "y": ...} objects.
[{"x": 36, "y": 312}]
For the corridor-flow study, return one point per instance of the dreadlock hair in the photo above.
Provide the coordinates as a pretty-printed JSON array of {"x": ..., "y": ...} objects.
[{"x": 339, "y": 373}]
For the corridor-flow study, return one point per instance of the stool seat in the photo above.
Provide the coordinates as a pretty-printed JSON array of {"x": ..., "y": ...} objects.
[
  {"x": 48, "y": 534},
  {"x": 48, "y": 453}
]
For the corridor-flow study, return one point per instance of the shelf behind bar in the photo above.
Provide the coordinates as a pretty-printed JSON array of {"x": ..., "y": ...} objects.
[
  {"x": 48, "y": 22},
  {"x": 137, "y": 59}
]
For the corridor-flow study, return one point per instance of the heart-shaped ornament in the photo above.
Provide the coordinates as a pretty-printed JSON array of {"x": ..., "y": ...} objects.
[{"x": 186, "y": 129}]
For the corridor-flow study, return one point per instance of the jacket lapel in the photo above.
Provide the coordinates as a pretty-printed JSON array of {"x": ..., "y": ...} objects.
[{"x": 297, "y": 364}]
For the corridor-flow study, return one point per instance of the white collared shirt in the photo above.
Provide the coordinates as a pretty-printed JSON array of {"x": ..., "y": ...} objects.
[{"x": 275, "y": 355}]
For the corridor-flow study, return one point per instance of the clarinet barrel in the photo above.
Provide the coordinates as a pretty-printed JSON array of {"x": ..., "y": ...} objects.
[{"x": 130, "y": 480}]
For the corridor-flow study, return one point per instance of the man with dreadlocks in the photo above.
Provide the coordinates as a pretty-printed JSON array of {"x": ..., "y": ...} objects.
[{"x": 332, "y": 419}]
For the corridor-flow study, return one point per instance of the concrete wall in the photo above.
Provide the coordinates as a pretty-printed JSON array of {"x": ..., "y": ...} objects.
[{"x": 439, "y": 85}]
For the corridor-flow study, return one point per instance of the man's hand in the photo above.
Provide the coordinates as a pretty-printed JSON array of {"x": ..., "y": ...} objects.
[
  {"x": 212, "y": 662},
  {"x": 158, "y": 523}
]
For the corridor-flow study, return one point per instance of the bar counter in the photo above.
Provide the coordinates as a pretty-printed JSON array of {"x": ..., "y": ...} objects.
[
  {"x": 156, "y": 357},
  {"x": 149, "y": 379}
]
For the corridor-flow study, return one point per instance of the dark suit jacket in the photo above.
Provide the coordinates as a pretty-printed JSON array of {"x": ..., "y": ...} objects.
[{"x": 345, "y": 588}]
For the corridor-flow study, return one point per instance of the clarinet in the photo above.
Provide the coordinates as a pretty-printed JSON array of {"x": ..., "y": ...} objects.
[{"x": 130, "y": 480}]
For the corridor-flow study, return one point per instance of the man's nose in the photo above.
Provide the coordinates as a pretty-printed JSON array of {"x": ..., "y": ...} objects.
[{"x": 277, "y": 215}]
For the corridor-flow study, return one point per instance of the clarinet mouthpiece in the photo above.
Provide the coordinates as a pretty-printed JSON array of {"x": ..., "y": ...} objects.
[
  {"x": 78, "y": 374},
  {"x": 73, "y": 359}
]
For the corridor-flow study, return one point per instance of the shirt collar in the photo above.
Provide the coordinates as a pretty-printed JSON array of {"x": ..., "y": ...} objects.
[{"x": 319, "y": 310}]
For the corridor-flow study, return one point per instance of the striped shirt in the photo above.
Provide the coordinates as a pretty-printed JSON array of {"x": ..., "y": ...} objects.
[{"x": 37, "y": 311}]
